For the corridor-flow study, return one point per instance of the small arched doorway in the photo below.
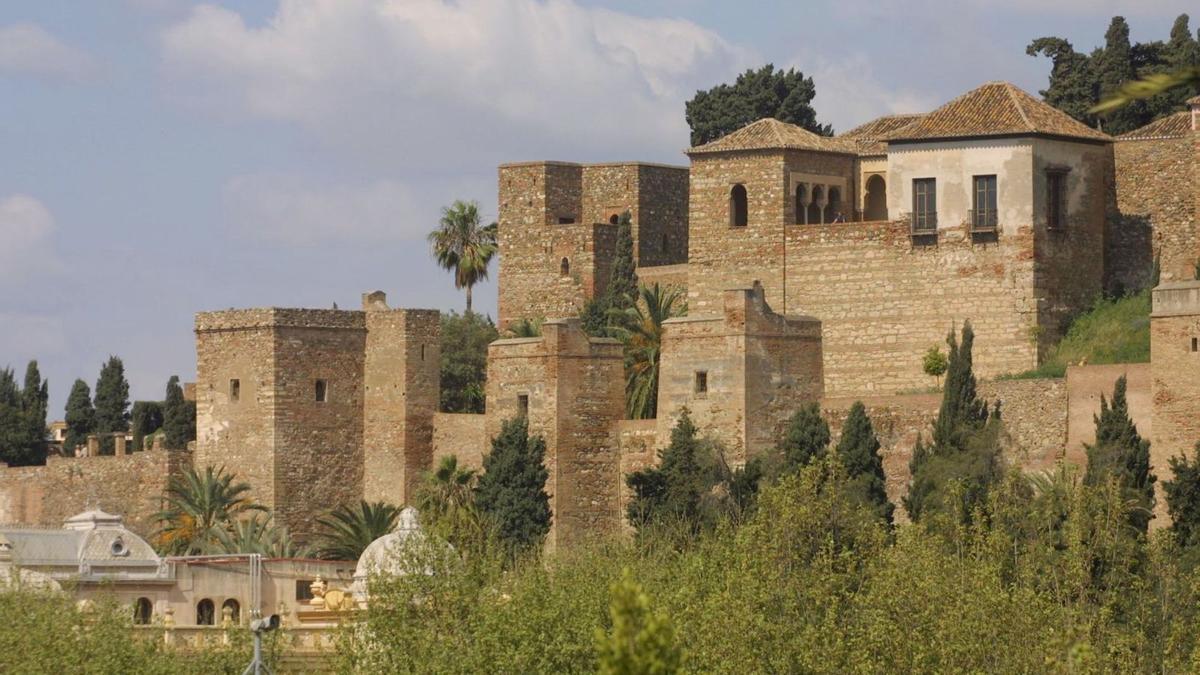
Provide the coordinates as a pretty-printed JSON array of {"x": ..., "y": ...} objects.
[
  {"x": 143, "y": 611},
  {"x": 875, "y": 204},
  {"x": 205, "y": 613},
  {"x": 739, "y": 211},
  {"x": 814, "y": 207}
]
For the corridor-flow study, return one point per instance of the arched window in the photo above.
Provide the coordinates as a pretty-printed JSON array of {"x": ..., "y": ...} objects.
[
  {"x": 801, "y": 205},
  {"x": 143, "y": 610},
  {"x": 738, "y": 209},
  {"x": 833, "y": 207},
  {"x": 614, "y": 219},
  {"x": 814, "y": 207},
  {"x": 205, "y": 613},
  {"x": 564, "y": 268},
  {"x": 875, "y": 207},
  {"x": 235, "y": 610}
]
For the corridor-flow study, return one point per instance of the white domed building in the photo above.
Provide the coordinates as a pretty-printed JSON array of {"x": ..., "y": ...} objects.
[{"x": 393, "y": 554}]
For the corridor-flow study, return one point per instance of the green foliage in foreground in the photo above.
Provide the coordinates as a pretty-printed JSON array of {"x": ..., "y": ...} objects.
[
  {"x": 1112, "y": 331},
  {"x": 43, "y": 632},
  {"x": 813, "y": 581}
]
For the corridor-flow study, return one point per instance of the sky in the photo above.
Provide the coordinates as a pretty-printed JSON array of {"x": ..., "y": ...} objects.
[{"x": 164, "y": 157}]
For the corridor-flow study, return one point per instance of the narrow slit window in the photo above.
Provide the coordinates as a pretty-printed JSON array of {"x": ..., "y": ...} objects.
[
  {"x": 1196, "y": 344},
  {"x": 422, "y": 352},
  {"x": 1056, "y": 200},
  {"x": 701, "y": 386},
  {"x": 564, "y": 268},
  {"x": 739, "y": 210},
  {"x": 523, "y": 405},
  {"x": 235, "y": 390},
  {"x": 321, "y": 391}
]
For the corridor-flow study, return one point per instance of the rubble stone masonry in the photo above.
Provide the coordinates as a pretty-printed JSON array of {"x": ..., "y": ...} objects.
[
  {"x": 1156, "y": 197},
  {"x": 1175, "y": 376}
]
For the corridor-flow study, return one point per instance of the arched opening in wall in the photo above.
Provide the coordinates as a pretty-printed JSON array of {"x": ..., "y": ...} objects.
[
  {"x": 143, "y": 611},
  {"x": 614, "y": 219},
  {"x": 564, "y": 268},
  {"x": 814, "y": 208},
  {"x": 875, "y": 206},
  {"x": 833, "y": 207},
  {"x": 739, "y": 210},
  {"x": 235, "y": 610},
  {"x": 801, "y": 204},
  {"x": 205, "y": 612}
]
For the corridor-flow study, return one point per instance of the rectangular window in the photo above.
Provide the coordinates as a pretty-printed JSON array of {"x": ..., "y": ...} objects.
[
  {"x": 701, "y": 387},
  {"x": 235, "y": 390},
  {"x": 1056, "y": 200},
  {"x": 924, "y": 215},
  {"x": 523, "y": 405},
  {"x": 983, "y": 216},
  {"x": 321, "y": 391},
  {"x": 1195, "y": 345},
  {"x": 304, "y": 590},
  {"x": 566, "y": 220}
]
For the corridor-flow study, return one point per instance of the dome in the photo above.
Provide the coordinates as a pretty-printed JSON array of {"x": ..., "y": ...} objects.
[{"x": 386, "y": 555}]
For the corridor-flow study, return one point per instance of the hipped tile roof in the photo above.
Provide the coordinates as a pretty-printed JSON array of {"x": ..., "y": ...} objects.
[
  {"x": 1177, "y": 125},
  {"x": 771, "y": 134},
  {"x": 868, "y": 138}
]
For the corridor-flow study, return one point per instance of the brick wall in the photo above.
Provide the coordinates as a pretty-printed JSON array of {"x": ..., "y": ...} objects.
[
  {"x": 1155, "y": 211},
  {"x": 127, "y": 485},
  {"x": 462, "y": 435},
  {"x": 664, "y": 276}
]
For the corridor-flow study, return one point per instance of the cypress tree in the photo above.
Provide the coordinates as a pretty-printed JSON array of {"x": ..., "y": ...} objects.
[
  {"x": 112, "y": 402},
  {"x": 14, "y": 431},
  {"x": 961, "y": 413},
  {"x": 512, "y": 489},
  {"x": 621, "y": 292},
  {"x": 1114, "y": 67},
  {"x": 672, "y": 492},
  {"x": 858, "y": 451},
  {"x": 1121, "y": 454},
  {"x": 179, "y": 417},
  {"x": 1182, "y": 51},
  {"x": 80, "y": 417},
  {"x": 35, "y": 399},
  {"x": 145, "y": 418},
  {"x": 1183, "y": 498},
  {"x": 806, "y": 438},
  {"x": 1072, "y": 87}
]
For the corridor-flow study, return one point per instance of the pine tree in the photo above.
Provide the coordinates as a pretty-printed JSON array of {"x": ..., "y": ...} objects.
[
  {"x": 642, "y": 641},
  {"x": 80, "y": 417},
  {"x": 1121, "y": 454},
  {"x": 512, "y": 489},
  {"x": 179, "y": 417},
  {"x": 1183, "y": 498},
  {"x": 858, "y": 450},
  {"x": 672, "y": 492},
  {"x": 806, "y": 438},
  {"x": 112, "y": 403},
  {"x": 965, "y": 449}
]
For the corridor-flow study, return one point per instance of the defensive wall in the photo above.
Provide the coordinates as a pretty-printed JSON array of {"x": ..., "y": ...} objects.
[{"x": 1175, "y": 373}]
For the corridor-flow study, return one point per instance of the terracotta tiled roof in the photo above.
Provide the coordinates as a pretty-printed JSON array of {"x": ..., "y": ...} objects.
[
  {"x": 868, "y": 138},
  {"x": 771, "y": 134},
  {"x": 1195, "y": 100},
  {"x": 996, "y": 109},
  {"x": 1176, "y": 125}
]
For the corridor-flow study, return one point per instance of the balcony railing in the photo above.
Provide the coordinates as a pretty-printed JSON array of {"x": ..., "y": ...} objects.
[{"x": 983, "y": 221}]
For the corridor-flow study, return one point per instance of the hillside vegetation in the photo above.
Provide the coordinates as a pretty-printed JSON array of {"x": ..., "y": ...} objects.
[{"x": 1112, "y": 331}]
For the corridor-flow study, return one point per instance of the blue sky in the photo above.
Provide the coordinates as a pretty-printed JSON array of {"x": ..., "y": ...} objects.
[{"x": 163, "y": 157}]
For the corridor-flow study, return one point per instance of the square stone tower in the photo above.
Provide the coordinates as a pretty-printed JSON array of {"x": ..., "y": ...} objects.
[
  {"x": 571, "y": 388},
  {"x": 557, "y": 230},
  {"x": 742, "y": 374},
  {"x": 1175, "y": 377}
]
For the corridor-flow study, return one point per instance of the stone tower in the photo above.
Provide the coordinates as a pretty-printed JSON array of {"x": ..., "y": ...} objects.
[
  {"x": 1175, "y": 376},
  {"x": 557, "y": 230},
  {"x": 571, "y": 388}
]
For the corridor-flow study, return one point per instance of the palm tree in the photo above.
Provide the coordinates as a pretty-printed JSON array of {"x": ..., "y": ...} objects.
[
  {"x": 199, "y": 507},
  {"x": 642, "y": 334},
  {"x": 447, "y": 489},
  {"x": 461, "y": 245},
  {"x": 349, "y": 530},
  {"x": 258, "y": 534},
  {"x": 525, "y": 328}
]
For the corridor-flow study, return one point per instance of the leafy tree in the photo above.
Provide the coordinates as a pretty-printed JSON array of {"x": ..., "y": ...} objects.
[
  {"x": 112, "y": 402},
  {"x": 145, "y": 418},
  {"x": 1122, "y": 455},
  {"x": 935, "y": 363},
  {"x": 606, "y": 313},
  {"x": 642, "y": 333},
  {"x": 462, "y": 246},
  {"x": 199, "y": 508},
  {"x": 785, "y": 95},
  {"x": 953, "y": 474},
  {"x": 858, "y": 451},
  {"x": 80, "y": 417},
  {"x": 347, "y": 531},
  {"x": 1072, "y": 83},
  {"x": 1183, "y": 498},
  {"x": 465, "y": 339},
  {"x": 806, "y": 438},
  {"x": 179, "y": 417},
  {"x": 512, "y": 490},
  {"x": 642, "y": 641}
]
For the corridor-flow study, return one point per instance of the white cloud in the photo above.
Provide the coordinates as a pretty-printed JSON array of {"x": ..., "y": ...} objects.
[
  {"x": 850, "y": 93},
  {"x": 27, "y": 49},
  {"x": 26, "y": 228},
  {"x": 295, "y": 211},
  {"x": 430, "y": 81}
]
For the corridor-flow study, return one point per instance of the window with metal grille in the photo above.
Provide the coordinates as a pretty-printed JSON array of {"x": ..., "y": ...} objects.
[
  {"x": 983, "y": 215},
  {"x": 924, "y": 215}
]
